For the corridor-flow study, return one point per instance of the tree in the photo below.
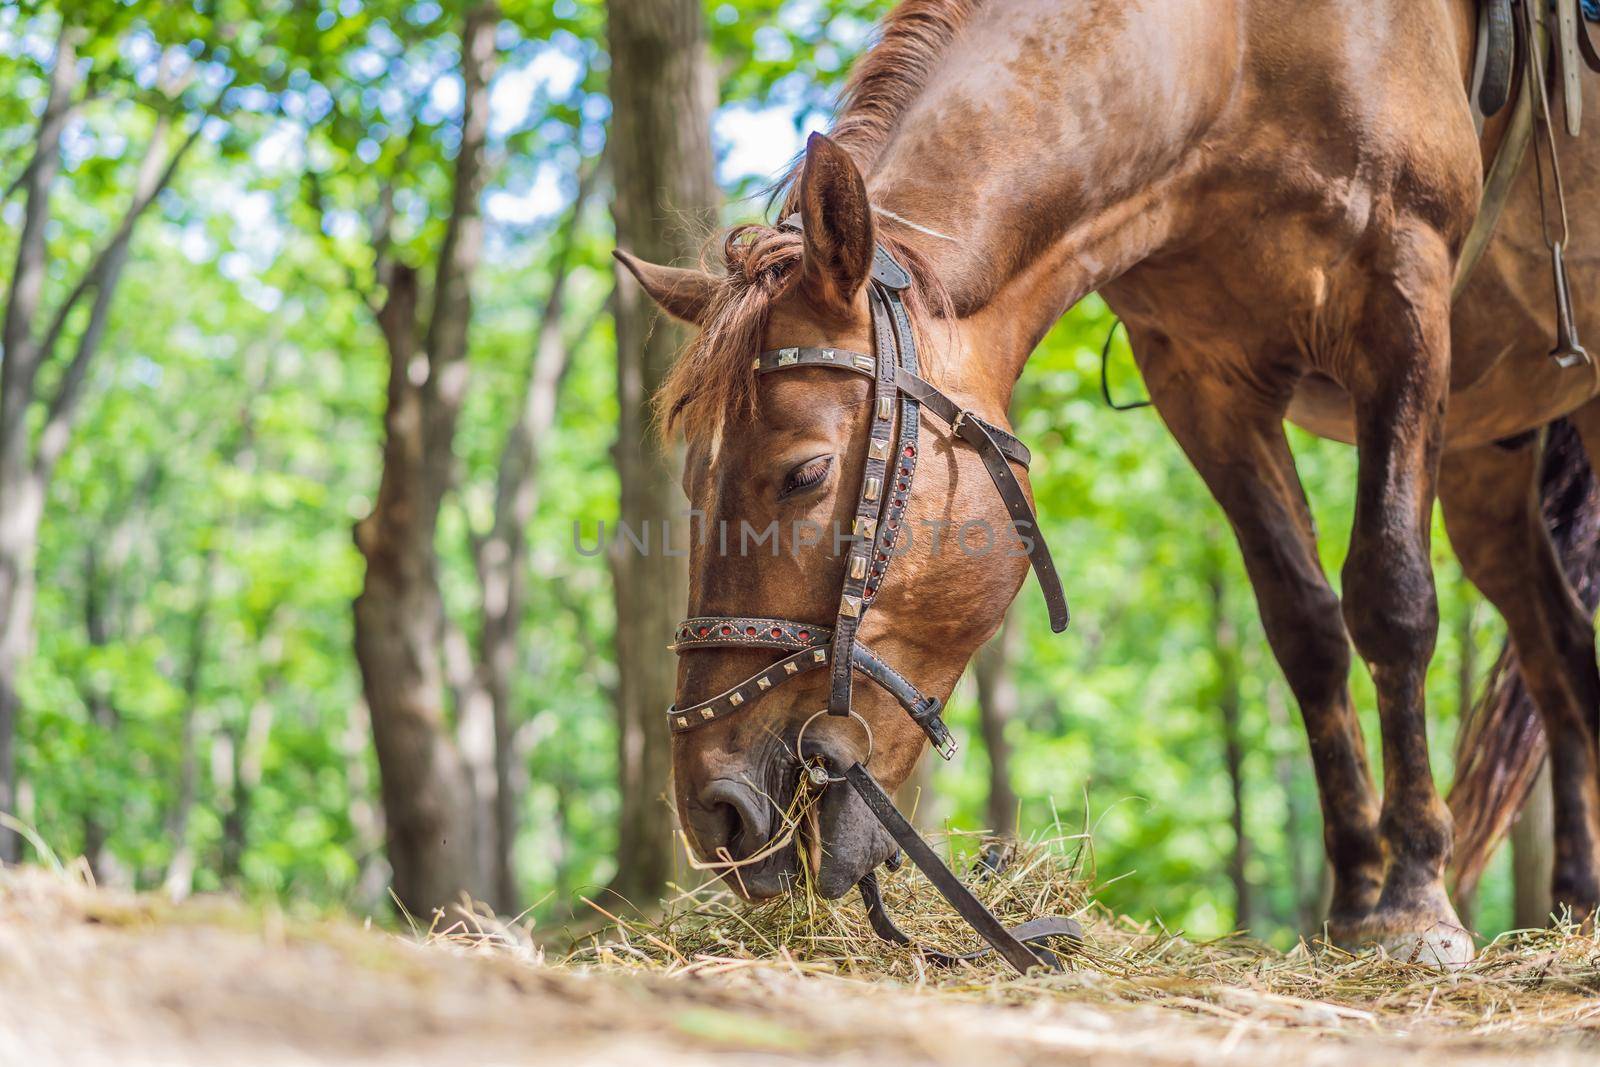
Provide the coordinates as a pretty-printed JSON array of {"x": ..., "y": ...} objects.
[
  {"x": 28, "y": 456},
  {"x": 997, "y": 706},
  {"x": 660, "y": 145},
  {"x": 1229, "y": 701},
  {"x": 400, "y": 615},
  {"x": 500, "y": 558}
]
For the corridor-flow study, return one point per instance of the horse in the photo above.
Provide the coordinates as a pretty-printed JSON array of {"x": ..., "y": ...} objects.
[{"x": 1273, "y": 196}]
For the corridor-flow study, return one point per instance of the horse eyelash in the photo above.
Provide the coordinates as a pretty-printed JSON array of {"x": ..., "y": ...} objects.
[{"x": 799, "y": 478}]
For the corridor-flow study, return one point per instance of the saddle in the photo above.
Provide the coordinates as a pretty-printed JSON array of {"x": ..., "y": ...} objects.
[
  {"x": 1517, "y": 42},
  {"x": 1495, "y": 62}
]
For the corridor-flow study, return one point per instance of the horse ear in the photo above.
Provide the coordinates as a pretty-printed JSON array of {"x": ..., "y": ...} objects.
[
  {"x": 836, "y": 218},
  {"x": 683, "y": 294}
]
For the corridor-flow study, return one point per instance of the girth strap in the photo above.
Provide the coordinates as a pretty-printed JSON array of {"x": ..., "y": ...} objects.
[{"x": 1009, "y": 943}]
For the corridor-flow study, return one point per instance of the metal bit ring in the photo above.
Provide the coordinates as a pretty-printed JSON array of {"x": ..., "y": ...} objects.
[{"x": 799, "y": 747}]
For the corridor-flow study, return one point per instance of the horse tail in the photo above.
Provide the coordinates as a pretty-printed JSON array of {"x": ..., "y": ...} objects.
[{"x": 1501, "y": 744}]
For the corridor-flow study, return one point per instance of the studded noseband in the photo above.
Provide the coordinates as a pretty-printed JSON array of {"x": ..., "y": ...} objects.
[{"x": 897, "y": 389}]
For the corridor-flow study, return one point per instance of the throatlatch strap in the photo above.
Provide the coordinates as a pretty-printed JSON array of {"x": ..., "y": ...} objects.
[
  {"x": 980, "y": 918},
  {"x": 1022, "y": 518},
  {"x": 981, "y": 436}
]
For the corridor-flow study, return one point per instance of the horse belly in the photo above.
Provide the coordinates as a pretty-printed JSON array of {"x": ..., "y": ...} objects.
[{"x": 1502, "y": 380}]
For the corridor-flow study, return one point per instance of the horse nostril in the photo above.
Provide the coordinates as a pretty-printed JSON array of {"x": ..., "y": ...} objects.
[{"x": 732, "y": 816}]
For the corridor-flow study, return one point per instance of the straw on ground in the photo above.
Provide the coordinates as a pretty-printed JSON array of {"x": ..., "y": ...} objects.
[{"x": 89, "y": 976}]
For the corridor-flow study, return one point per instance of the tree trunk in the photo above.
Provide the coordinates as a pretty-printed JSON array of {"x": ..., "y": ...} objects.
[
  {"x": 246, "y": 761},
  {"x": 26, "y": 460},
  {"x": 19, "y": 540},
  {"x": 1533, "y": 856},
  {"x": 399, "y": 616},
  {"x": 997, "y": 706},
  {"x": 21, "y": 487},
  {"x": 179, "y": 880},
  {"x": 660, "y": 144},
  {"x": 102, "y": 713},
  {"x": 399, "y": 622},
  {"x": 1306, "y": 887},
  {"x": 501, "y": 558},
  {"x": 1229, "y": 705}
]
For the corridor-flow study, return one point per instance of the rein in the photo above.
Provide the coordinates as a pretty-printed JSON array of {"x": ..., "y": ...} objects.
[{"x": 897, "y": 390}]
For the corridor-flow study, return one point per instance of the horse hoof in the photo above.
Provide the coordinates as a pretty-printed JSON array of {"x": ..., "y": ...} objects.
[
  {"x": 1441, "y": 943},
  {"x": 1444, "y": 947}
]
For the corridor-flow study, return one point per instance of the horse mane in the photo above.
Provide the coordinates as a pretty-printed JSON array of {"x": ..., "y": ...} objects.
[
  {"x": 890, "y": 76},
  {"x": 713, "y": 380}
]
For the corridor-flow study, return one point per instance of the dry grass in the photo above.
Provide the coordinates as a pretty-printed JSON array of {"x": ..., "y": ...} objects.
[
  {"x": 1530, "y": 983},
  {"x": 89, "y": 976}
]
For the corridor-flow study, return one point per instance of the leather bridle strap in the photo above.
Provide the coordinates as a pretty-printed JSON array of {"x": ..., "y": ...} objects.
[
  {"x": 869, "y": 529},
  {"x": 982, "y": 436},
  {"x": 1035, "y": 933},
  {"x": 809, "y": 648},
  {"x": 899, "y": 394},
  {"x": 1010, "y": 943},
  {"x": 997, "y": 448},
  {"x": 918, "y": 388}
]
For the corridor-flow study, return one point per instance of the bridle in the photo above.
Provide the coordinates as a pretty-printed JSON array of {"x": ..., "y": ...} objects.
[{"x": 885, "y": 491}]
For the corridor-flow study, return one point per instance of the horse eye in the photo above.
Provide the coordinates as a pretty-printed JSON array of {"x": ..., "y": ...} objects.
[{"x": 808, "y": 474}]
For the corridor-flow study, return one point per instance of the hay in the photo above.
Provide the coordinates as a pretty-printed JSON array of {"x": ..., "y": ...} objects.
[
  {"x": 95, "y": 977},
  {"x": 1531, "y": 983}
]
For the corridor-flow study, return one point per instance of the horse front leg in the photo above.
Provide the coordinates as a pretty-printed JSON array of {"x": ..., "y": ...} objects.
[
  {"x": 1397, "y": 373},
  {"x": 1236, "y": 442}
]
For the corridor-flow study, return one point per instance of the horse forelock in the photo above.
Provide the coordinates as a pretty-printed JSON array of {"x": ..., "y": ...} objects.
[{"x": 713, "y": 382}]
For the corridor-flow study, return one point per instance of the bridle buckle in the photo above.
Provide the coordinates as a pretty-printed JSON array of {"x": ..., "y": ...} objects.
[{"x": 927, "y": 716}]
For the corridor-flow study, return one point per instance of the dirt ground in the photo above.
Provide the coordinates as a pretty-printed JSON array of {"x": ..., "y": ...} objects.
[{"x": 92, "y": 977}]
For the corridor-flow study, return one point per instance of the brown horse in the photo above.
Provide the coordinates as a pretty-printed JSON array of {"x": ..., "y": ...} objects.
[{"x": 1273, "y": 195}]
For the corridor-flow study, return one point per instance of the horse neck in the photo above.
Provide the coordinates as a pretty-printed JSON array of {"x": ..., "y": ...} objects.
[{"x": 1045, "y": 149}]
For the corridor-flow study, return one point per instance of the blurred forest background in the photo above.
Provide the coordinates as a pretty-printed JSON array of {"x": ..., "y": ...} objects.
[{"x": 279, "y": 269}]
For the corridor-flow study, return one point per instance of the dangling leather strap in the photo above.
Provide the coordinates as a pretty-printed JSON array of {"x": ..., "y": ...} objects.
[
  {"x": 1497, "y": 52},
  {"x": 1035, "y": 933},
  {"x": 1012, "y": 944}
]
